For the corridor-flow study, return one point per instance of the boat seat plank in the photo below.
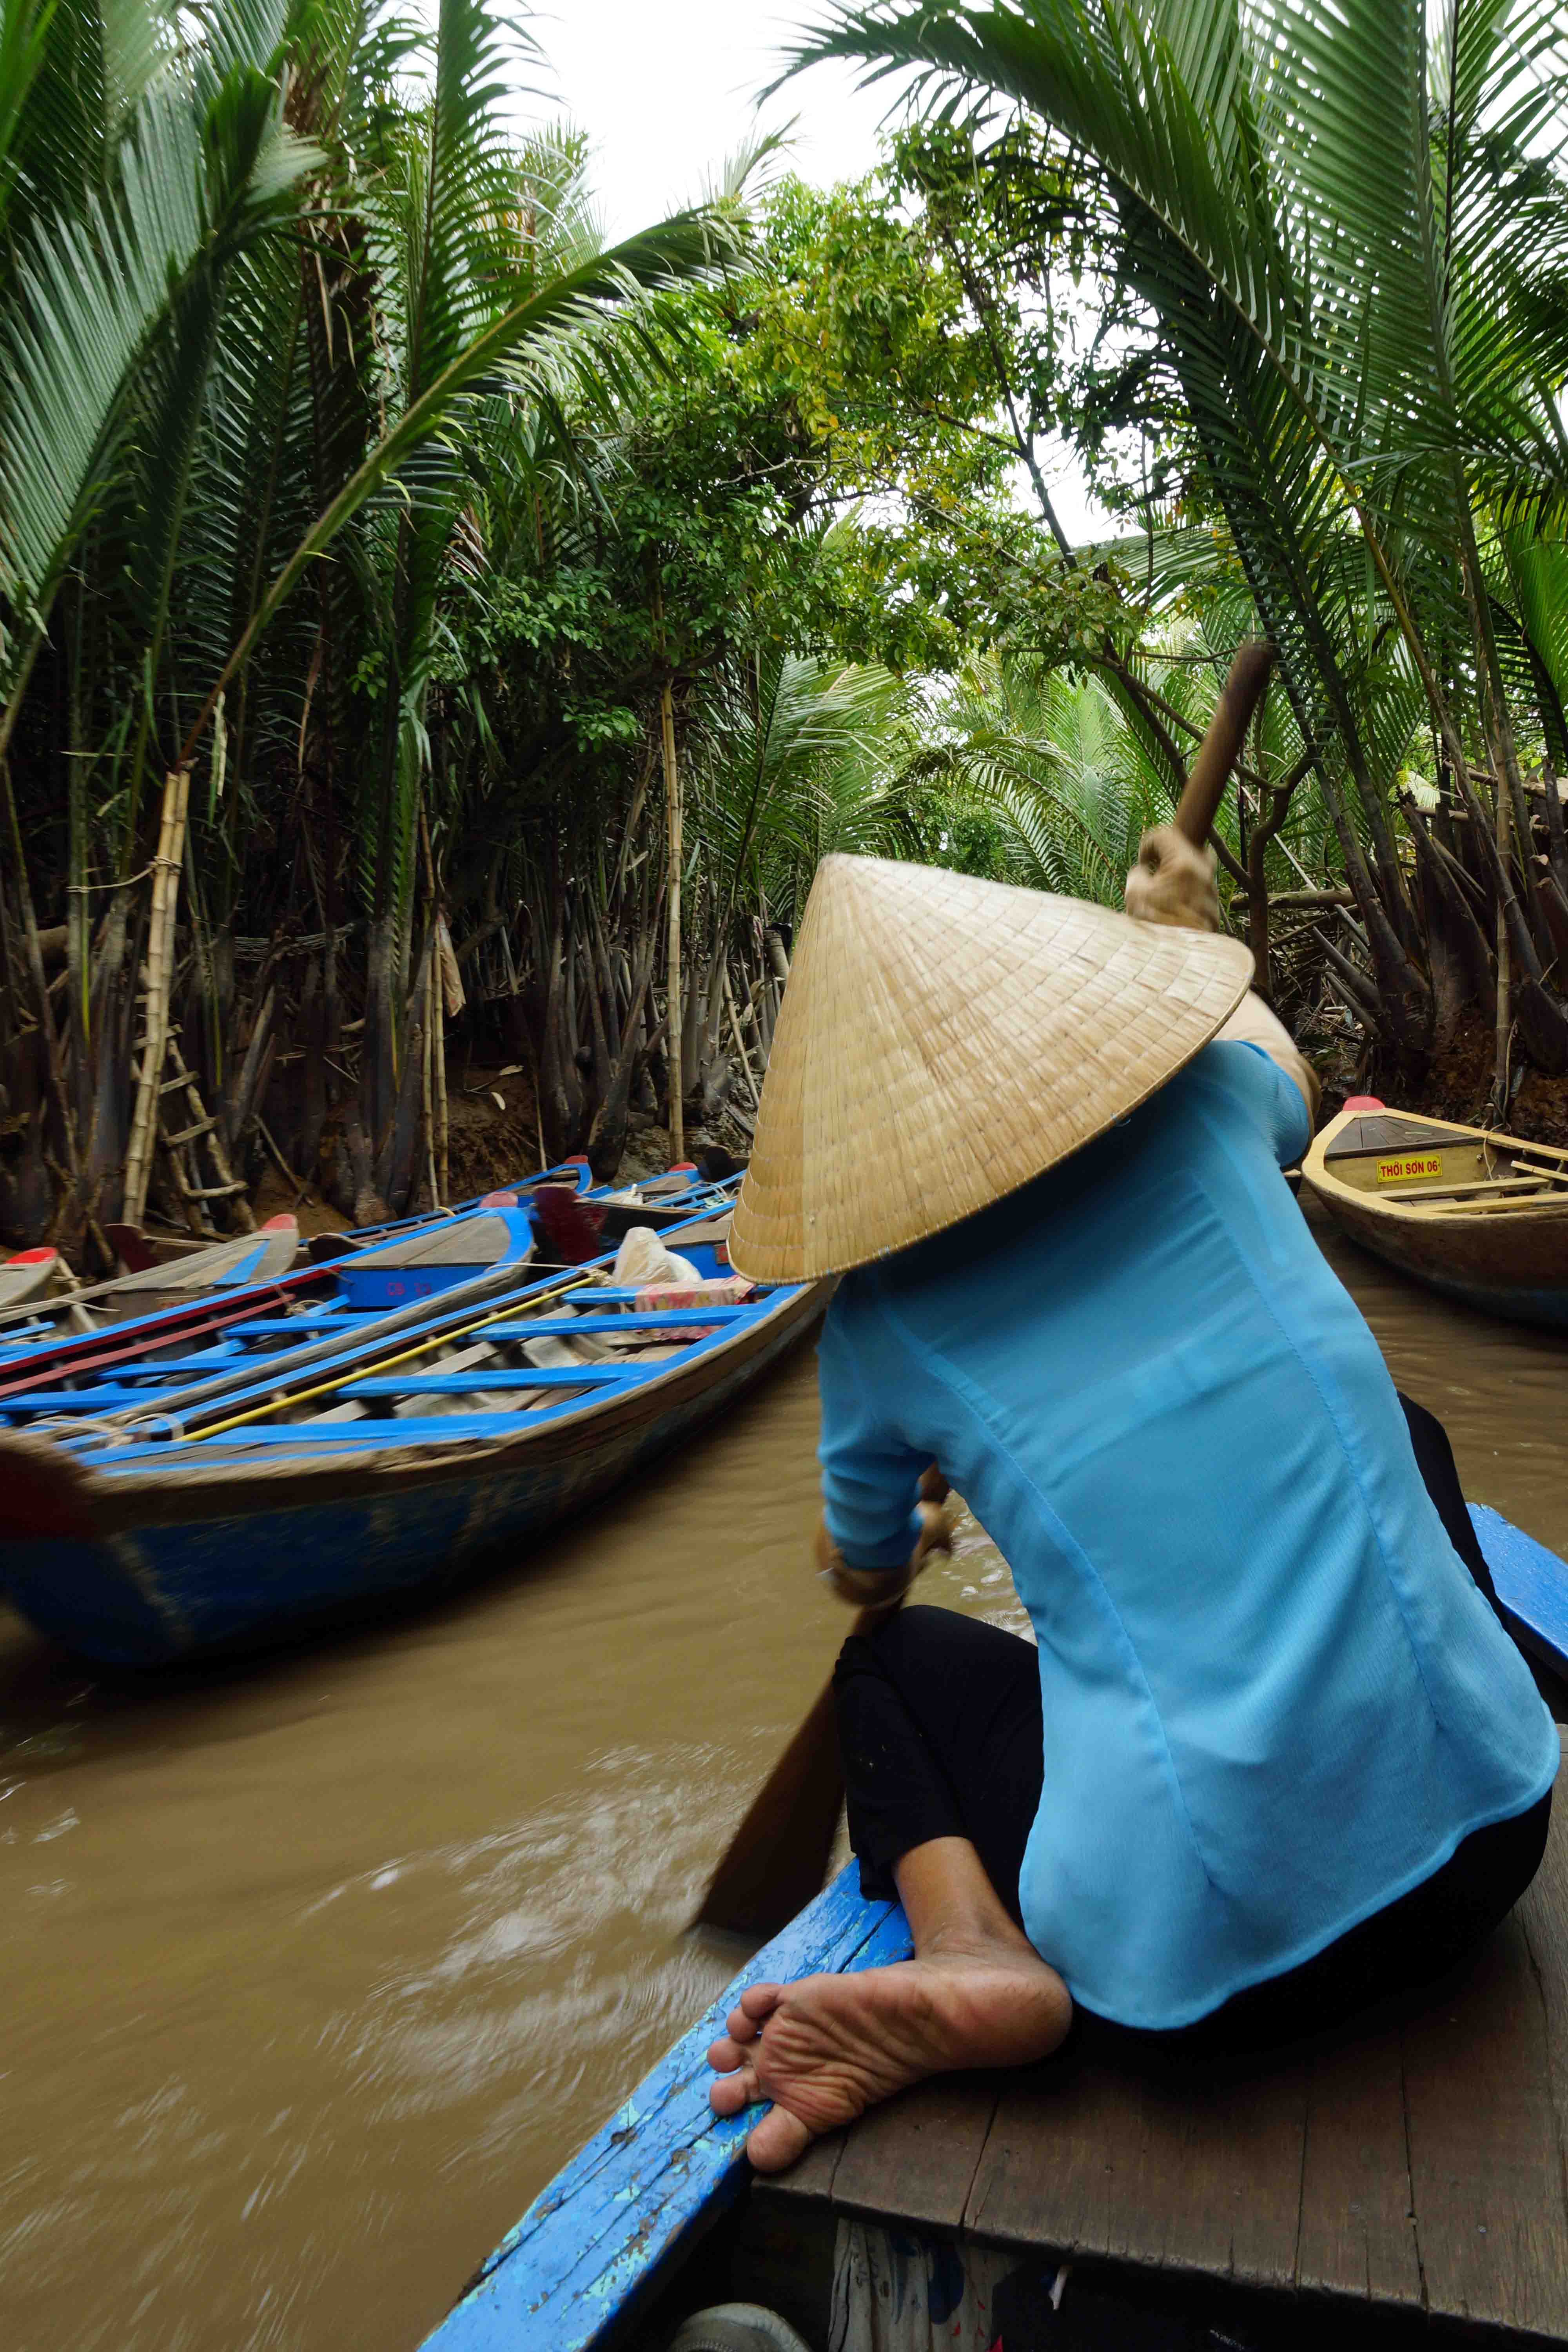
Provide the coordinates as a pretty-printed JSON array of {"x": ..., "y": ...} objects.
[
  {"x": 1198, "y": 2172},
  {"x": 611, "y": 1293},
  {"x": 497, "y": 1383},
  {"x": 1530, "y": 1582},
  {"x": 295, "y": 1327},
  {"x": 1415, "y": 2164},
  {"x": 578, "y": 1327},
  {"x": 1530, "y": 1186},
  {"x": 104, "y": 1397},
  {"x": 215, "y": 1359},
  {"x": 1357, "y": 2234},
  {"x": 595, "y": 2237},
  {"x": 1493, "y": 2234},
  {"x": 920, "y": 2151}
]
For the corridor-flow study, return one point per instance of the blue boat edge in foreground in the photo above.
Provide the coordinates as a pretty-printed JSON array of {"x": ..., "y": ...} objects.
[
  {"x": 600, "y": 2237},
  {"x": 610, "y": 2228}
]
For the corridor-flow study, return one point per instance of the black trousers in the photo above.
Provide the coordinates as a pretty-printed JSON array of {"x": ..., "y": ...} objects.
[{"x": 939, "y": 1725}]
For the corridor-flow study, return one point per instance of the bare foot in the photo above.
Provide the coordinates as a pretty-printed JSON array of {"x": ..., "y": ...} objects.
[{"x": 836, "y": 2045}]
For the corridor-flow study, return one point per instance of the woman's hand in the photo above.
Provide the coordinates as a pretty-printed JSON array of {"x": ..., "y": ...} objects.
[
  {"x": 1172, "y": 883},
  {"x": 877, "y": 1587}
]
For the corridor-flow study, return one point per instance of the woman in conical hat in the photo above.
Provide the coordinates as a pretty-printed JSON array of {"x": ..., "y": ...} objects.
[{"x": 1273, "y": 1753}]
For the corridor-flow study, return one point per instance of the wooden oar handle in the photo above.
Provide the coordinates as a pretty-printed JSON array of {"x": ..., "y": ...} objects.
[{"x": 1217, "y": 753}]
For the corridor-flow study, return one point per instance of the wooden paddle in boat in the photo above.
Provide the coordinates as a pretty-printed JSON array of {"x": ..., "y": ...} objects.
[{"x": 778, "y": 1858}]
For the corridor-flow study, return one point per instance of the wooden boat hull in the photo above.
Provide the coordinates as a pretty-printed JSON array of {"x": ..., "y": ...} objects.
[
  {"x": 1520, "y": 1275},
  {"x": 141, "y": 1569},
  {"x": 1512, "y": 1262}
]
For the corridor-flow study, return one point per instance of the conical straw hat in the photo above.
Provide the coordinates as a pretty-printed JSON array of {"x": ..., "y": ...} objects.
[{"x": 943, "y": 1041}]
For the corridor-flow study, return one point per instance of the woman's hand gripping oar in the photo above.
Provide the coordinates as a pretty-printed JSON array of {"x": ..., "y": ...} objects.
[{"x": 777, "y": 1859}]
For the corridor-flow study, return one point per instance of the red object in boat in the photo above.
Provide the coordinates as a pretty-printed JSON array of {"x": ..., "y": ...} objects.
[
  {"x": 571, "y": 1225},
  {"x": 1364, "y": 1102}
]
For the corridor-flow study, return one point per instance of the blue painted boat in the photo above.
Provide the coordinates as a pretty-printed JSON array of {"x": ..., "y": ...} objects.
[
  {"x": 242, "y": 1276},
  {"x": 575, "y": 1174},
  {"x": 356, "y": 1450},
  {"x": 613, "y": 2228}
]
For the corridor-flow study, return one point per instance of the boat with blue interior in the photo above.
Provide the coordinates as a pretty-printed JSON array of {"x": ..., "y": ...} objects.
[{"x": 365, "y": 1431}]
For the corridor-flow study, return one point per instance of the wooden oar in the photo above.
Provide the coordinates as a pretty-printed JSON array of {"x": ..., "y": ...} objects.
[{"x": 778, "y": 1858}]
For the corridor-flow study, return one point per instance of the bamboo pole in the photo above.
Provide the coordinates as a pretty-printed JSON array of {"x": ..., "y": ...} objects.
[
  {"x": 160, "y": 980},
  {"x": 427, "y": 1073},
  {"x": 443, "y": 1132},
  {"x": 741, "y": 1044},
  {"x": 672, "y": 1013},
  {"x": 438, "y": 1141},
  {"x": 1504, "y": 965}
]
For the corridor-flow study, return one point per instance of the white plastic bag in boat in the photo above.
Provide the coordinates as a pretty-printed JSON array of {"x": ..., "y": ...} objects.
[{"x": 642, "y": 1258}]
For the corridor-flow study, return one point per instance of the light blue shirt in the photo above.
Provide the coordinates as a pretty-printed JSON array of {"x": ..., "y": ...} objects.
[{"x": 1274, "y": 1699}]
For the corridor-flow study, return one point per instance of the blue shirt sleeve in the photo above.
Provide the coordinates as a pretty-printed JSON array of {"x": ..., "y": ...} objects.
[
  {"x": 1272, "y": 1099},
  {"x": 869, "y": 1476}
]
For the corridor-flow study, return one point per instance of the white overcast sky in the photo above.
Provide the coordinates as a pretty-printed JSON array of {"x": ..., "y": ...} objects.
[{"x": 667, "y": 88}]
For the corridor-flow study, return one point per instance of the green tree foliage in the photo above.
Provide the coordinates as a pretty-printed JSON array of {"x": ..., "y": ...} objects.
[{"x": 1344, "y": 225}]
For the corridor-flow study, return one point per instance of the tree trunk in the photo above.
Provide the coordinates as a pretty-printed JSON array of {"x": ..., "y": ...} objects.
[{"x": 673, "y": 852}]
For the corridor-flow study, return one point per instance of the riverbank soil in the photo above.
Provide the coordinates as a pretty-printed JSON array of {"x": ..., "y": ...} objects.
[{"x": 1457, "y": 1084}]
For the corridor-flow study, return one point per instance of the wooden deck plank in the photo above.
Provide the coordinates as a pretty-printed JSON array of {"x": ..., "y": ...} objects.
[
  {"x": 1062, "y": 2164},
  {"x": 915, "y": 2157},
  {"x": 1543, "y": 1915},
  {"x": 1358, "y": 2226},
  {"x": 1191, "y": 2172},
  {"x": 1485, "y": 2168},
  {"x": 1222, "y": 2170}
]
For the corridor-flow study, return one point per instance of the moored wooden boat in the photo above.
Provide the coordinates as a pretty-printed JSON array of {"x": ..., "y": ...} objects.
[
  {"x": 574, "y": 1173},
  {"x": 1160, "y": 2193},
  {"x": 26, "y": 1275},
  {"x": 229, "y": 1497},
  {"x": 29, "y": 1317},
  {"x": 1478, "y": 1216}
]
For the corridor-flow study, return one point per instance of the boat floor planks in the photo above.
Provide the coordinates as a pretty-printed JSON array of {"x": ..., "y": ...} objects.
[{"x": 1414, "y": 2170}]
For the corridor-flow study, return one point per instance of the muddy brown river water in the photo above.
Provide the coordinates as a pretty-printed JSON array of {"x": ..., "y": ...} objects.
[{"x": 314, "y": 1973}]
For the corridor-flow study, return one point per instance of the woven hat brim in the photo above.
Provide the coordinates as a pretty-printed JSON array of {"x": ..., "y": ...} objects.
[{"x": 942, "y": 1042}]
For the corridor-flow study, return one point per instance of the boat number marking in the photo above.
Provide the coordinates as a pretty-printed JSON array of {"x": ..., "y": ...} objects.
[{"x": 1409, "y": 1166}]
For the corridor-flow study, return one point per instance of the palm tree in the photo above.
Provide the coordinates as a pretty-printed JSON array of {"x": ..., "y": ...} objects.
[
  {"x": 1349, "y": 227},
  {"x": 269, "y": 298}
]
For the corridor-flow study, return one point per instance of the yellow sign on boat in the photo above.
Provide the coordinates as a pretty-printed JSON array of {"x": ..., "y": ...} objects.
[{"x": 1409, "y": 1167}]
